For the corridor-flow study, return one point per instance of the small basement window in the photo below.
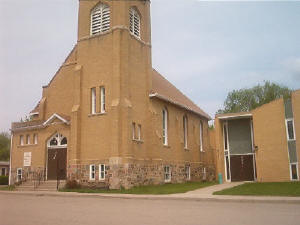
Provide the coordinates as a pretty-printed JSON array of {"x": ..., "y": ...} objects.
[
  {"x": 101, "y": 172},
  {"x": 92, "y": 172},
  {"x": 167, "y": 172},
  {"x": 19, "y": 174}
]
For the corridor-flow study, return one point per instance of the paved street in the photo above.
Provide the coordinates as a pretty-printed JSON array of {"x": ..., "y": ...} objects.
[{"x": 50, "y": 210}]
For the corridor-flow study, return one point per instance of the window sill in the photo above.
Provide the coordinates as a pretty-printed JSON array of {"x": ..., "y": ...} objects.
[
  {"x": 202, "y": 151},
  {"x": 166, "y": 146},
  {"x": 97, "y": 114},
  {"x": 24, "y": 146},
  {"x": 138, "y": 141},
  {"x": 186, "y": 149},
  {"x": 167, "y": 181}
]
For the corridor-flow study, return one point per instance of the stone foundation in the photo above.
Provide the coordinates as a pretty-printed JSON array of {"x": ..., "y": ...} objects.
[
  {"x": 138, "y": 174},
  {"x": 28, "y": 174}
]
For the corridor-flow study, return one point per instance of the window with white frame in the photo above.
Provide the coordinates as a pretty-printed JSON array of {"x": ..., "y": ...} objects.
[
  {"x": 101, "y": 172},
  {"x": 19, "y": 174},
  {"x": 188, "y": 172},
  {"x": 133, "y": 131},
  {"x": 290, "y": 129},
  {"x": 100, "y": 19},
  {"x": 93, "y": 100},
  {"x": 28, "y": 139},
  {"x": 102, "y": 99},
  {"x": 92, "y": 172},
  {"x": 135, "y": 22},
  {"x": 185, "y": 132},
  {"x": 168, "y": 175},
  {"x": 165, "y": 126},
  {"x": 35, "y": 139},
  {"x": 139, "y": 132},
  {"x": 201, "y": 136},
  {"x": 294, "y": 171},
  {"x": 21, "y": 139}
]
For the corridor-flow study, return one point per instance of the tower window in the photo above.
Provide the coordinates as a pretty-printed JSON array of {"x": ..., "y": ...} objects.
[
  {"x": 135, "y": 23},
  {"x": 100, "y": 19}
]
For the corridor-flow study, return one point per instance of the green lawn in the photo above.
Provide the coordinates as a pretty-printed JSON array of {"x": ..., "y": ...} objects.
[
  {"x": 264, "y": 189},
  {"x": 153, "y": 189},
  {"x": 7, "y": 188}
]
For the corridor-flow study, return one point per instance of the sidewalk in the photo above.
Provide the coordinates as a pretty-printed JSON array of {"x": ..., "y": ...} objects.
[{"x": 203, "y": 194}]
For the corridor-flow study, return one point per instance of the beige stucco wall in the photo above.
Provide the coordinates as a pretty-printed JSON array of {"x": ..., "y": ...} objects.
[{"x": 270, "y": 136}]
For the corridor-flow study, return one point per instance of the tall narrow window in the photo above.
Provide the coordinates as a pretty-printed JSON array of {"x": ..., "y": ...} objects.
[
  {"x": 101, "y": 172},
  {"x": 185, "y": 132},
  {"x": 21, "y": 140},
  {"x": 92, "y": 172},
  {"x": 93, "y": 100},
  {"x": 135, "y": 23},
  {"x": 133, "y": 131},
  {"x": 35, "y": 139},
  {"x": 139, "y": 132},
  {"x": 165, "y": 126},
  {"x": 201, "y": 136},
  {"x": 28, "y": 139},
  {"x": 294, "y": 171},
  {"x": 225, "y": 135},
  {"x": 100, "y": 19},
  {"x": 102, "y": 99},
  {"x": 167, "y": 171},
  {"x": 290, "y": 129}
]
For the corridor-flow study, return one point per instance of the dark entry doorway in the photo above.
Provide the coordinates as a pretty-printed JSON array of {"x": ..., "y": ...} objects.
[
  {"x": 57, "y": 164},
  {"x": 241, "y": 167}
]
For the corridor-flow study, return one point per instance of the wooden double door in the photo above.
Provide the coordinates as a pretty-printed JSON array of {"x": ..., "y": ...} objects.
[
  {"x": 242, "y": 168},
  {"x": 57, "y": 164}
]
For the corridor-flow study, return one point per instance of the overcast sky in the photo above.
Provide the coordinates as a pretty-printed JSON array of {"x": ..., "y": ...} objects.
[{"x": 205, "y": 48}]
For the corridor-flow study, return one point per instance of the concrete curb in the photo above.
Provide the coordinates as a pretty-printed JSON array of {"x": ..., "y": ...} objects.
[{"x": 181, "y": 197}]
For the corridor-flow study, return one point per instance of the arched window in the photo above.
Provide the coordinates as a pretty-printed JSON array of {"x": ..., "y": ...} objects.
[
  {"x": 100, "y": 19},
  {"x": 57, "y": 140},
  {"x": 135, "y": 23},
  {"x": 165, "y": 126}
]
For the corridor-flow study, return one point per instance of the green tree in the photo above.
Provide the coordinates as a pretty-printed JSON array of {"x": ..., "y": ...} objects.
[
  {"x": 245, "y": 100},
  {"x": 4, "y": 146}
]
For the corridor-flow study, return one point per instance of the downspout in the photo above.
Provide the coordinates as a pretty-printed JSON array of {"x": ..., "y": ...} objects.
[{"x": 10, "y": 158}]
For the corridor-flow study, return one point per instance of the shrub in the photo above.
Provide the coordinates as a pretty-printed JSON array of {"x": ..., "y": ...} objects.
[
  {"x": 72, "y": 184},
  {"x": 3, "y": 180}
]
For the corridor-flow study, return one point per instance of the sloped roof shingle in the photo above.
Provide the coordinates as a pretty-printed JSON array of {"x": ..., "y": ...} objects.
[{"x": 164, "y": 90}]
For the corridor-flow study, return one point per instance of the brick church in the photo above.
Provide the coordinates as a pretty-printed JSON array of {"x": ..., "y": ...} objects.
[{"x": 107, "y": 118}]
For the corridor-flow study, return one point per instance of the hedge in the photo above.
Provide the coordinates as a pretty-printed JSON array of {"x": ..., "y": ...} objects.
[{"x": 3, "y": 180}]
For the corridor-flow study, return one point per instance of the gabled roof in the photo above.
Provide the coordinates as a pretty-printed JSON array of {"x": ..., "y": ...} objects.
[
  {"x": 164, "y": 90},
  {"x": 64, "y": 119}
]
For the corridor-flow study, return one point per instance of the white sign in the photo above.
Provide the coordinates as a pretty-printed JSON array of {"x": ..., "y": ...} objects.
[{"x": 27, "y": 158}]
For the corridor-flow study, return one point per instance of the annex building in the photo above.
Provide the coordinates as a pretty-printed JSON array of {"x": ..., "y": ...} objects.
[
  {"x": 107, "y": 118},
  {"x": 260, "y": 145}
]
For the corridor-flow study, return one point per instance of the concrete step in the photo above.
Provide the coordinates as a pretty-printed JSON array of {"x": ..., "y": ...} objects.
[{"x": 50, "y": 185}]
